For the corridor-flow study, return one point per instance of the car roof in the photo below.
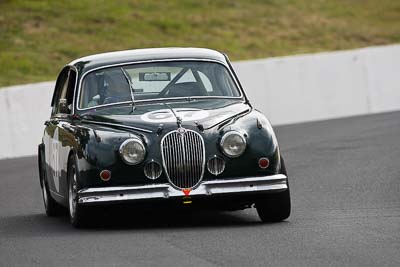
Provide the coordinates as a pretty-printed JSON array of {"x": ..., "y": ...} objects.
[{"x": 88, "y": 63}]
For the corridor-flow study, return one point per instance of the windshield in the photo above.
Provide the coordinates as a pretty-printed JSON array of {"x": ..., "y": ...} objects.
[{"x": 156, "y": 80}]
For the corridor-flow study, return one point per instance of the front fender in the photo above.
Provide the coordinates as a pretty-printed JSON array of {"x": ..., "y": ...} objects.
[{"x": 99, "y": 150}]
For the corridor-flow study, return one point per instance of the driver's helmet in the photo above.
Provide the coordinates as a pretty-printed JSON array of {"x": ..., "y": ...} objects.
[{"x": 116, "y": 87}]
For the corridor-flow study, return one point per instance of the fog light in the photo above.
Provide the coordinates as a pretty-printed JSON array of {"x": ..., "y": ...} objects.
[
  {"x": 216, "y": 165},
  {"x": 105, "y": 175},
  {"x": 263, "y": 163},
  {"x": 152, "y": 170}
]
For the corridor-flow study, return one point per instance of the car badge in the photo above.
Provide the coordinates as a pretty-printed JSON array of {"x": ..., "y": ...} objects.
[{"x": 181, "y": 130}]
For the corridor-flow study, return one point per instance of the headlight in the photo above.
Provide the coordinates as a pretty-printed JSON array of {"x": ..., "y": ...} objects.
[
  {"x": 233, "y": 144},
  {"x": 132, "y": 151}
]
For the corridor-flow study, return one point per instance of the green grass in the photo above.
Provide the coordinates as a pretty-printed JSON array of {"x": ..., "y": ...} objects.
[{"x": 38, "y": 37}]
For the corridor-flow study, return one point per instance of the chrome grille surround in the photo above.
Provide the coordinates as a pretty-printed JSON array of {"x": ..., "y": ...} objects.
[{"x": 183, "y": 155}]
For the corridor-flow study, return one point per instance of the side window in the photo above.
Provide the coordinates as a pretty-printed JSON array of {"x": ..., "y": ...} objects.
[
  {"x": 64, "y": 93},
  {"x": 71, "y": 88},
  {"x": 60, "y": 84},
  {"x": 63, "y": 96}
]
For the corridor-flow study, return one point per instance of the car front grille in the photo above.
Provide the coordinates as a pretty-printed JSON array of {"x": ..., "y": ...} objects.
[{"x": 183, "y": 157}]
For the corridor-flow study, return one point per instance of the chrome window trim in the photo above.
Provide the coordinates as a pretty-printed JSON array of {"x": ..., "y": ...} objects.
[
  {"x": 78, "y": 92},
  {"x": 75, "y": 87},
  {"x": 70, "y": 68},
  {"x": 160, "y": 100}
]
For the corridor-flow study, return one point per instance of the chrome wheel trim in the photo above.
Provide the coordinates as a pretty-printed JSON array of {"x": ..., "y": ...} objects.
[{"x": 72, "y": 195}]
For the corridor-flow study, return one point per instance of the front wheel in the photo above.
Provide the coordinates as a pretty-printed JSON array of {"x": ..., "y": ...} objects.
[
  {"x": 51, "y": 207},
  {"x": 76, "y": 211},
  {"x": 274, "y": 207}
]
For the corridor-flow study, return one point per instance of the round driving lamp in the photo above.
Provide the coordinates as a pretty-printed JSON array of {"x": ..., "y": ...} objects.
[
  {"x": 233, "y": 144},
  {"x": 132, "y": 151}
]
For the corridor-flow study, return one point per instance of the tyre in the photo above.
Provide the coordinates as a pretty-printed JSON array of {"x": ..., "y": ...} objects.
[
  {"x": 51, "y": 207},
  {"x": 77, "y": 213},
  {"x": 275, "y": 207}
]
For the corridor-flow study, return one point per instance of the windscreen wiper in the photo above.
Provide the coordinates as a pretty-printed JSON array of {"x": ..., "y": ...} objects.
[{"x": 130, "y": 87}]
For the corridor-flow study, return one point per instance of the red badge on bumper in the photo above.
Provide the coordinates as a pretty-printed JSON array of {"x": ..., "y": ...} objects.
[{"x": 186, "y": 191}]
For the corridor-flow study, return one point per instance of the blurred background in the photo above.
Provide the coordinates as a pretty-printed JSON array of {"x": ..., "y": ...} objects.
[{"x": 38, "y": 37}]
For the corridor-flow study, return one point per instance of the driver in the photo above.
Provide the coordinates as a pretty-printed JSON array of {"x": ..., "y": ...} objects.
[{"x": 116, "y": 89}]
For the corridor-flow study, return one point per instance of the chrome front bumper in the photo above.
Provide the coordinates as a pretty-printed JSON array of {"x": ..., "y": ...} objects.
[{"x": 262, "y": 184}]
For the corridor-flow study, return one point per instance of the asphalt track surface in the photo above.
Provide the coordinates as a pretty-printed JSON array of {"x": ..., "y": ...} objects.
[{"x": 345, "y": 185}]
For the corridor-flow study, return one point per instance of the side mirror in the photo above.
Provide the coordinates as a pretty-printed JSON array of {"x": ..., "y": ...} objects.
[{"x": 63, "y": 106}]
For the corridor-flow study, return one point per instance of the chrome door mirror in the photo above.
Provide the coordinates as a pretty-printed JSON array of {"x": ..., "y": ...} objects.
[{"x": 63, "y": 106}]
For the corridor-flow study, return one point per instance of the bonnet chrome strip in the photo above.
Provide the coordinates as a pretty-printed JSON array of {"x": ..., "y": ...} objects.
[{"x": 117, "y": 125}]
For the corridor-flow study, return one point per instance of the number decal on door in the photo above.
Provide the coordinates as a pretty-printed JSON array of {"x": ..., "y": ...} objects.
[{"x": 53, "y": 158}]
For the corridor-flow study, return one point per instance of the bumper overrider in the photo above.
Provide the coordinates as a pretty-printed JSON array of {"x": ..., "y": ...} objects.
[{"x": 237, "y": 186}]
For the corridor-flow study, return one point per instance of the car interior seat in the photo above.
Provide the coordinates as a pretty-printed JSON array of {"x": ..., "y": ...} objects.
[{"x": 186, "y": 89}]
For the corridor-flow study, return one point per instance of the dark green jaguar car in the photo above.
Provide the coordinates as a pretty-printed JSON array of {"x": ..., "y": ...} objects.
[{"x": 166, "y": 126}]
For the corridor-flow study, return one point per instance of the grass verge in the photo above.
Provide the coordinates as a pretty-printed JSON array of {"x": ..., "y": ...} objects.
[{"x": 38, "y": 37}]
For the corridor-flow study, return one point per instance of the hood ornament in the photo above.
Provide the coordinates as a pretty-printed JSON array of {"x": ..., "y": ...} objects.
[
  {"x": 178, "y": 118},
  {"x": 178, "y": 121}
]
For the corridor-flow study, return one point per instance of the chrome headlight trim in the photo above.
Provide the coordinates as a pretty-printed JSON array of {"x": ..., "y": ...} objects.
[
  {"x": 229, "y": 134},
  {"x": 141, "y": 156}
]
